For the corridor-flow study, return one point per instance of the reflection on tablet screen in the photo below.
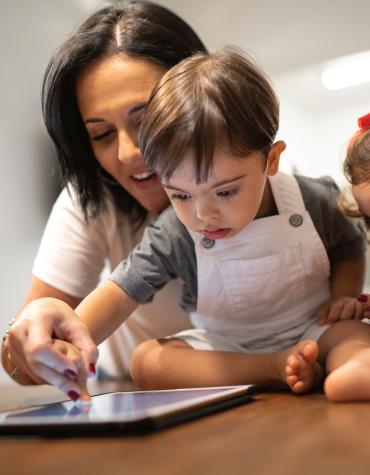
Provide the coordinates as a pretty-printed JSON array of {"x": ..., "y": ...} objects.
[{"x": 117, "y": 406}]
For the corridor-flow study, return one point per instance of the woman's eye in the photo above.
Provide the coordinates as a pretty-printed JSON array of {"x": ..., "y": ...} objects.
[
  {"x": 102, "y": 136},
  {"x": 226, "y": 193},
  {"x": 180, "y": 196}
]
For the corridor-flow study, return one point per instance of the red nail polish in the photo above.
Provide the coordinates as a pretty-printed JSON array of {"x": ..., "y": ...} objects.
[
  {"x": 73, "y": 395},
  {"x": 92, "y": 368},
  {"x": 70, "y": 374},
  {"x": 362, "y": 298}
]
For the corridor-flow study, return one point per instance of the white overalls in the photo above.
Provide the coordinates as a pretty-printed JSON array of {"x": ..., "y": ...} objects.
[{"x": 259, "y": 291}]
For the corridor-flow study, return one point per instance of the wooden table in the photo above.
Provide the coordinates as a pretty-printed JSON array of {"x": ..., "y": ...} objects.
[{"x": 277, "y": 434}]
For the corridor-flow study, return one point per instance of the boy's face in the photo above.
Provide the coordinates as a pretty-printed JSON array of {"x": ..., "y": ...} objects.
[{"x": 234, "y": 194}]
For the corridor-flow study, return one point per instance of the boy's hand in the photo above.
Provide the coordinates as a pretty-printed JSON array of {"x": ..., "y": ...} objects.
[{"x": 341, "y": 308}]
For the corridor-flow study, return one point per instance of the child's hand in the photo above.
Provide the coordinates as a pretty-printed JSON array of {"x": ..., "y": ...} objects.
[
  {"x": 365, "y": 300},
  {"x": 341, "y": 308}
]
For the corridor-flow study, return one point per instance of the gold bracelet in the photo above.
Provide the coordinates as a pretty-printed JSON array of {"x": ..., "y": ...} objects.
[{"x": 16, "y": 373}]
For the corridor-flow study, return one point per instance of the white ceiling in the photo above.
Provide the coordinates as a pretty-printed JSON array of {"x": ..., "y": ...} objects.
[
  {"x": 290, "y": 39},
  {"x": 281, "y": 34}
]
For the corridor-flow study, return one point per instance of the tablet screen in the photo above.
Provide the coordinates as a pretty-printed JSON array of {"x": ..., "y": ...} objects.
[{"x": 122, "y": 406}]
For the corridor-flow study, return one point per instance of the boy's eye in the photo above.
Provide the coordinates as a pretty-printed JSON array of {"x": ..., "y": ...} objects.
[
  {"x": 226, "y": 193},
  {"x": 102, "y": 136},
  {"x": 179, "y": 196}
]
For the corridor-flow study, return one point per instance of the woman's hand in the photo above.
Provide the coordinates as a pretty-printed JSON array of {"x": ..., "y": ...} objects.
[
  {"x": 49, "y": 343},
  {"x": 341, "y": 308}
]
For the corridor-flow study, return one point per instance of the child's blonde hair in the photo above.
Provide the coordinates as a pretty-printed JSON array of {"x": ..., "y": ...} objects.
[{"x": 356, "y": 166}]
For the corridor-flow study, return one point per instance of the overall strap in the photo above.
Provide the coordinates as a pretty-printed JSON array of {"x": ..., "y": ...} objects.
[{"x": 287, "y": 194}]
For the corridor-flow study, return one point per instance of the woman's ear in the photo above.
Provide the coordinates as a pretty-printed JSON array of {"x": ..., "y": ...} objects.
[{"x": 273, "y": 157}]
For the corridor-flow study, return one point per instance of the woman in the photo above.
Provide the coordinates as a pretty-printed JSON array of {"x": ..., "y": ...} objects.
[{"x": 95, "y": 89}]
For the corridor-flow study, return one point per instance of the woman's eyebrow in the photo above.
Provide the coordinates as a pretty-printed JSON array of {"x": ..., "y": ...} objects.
[
  {"x": 93, "y": 120},
  {"x": 133, "y": 110}
]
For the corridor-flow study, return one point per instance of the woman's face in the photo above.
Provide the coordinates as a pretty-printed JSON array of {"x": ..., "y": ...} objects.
[{"x": 111, "y": 96}]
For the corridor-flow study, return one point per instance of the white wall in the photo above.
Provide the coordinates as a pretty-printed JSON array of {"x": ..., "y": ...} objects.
[
  {"x": 29, "y": 32},
  {"x": 317, "y": 123}
]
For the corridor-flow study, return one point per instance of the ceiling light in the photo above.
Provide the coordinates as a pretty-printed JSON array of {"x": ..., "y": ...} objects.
[{"x": 347, "y": 71}]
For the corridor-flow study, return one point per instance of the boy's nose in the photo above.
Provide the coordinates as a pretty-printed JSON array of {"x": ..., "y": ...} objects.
[{"x": 206, "y": 212}]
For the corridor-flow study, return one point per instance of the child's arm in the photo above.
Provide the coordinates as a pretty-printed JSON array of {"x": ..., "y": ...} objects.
[
  {"x": 346, "y": 282},
  {"x": 105, "y": 309}
]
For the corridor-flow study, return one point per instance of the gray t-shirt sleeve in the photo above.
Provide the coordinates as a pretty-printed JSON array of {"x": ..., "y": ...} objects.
[
  {"x": 165, "y": 252},
  {"x": 342, "y": 236}
]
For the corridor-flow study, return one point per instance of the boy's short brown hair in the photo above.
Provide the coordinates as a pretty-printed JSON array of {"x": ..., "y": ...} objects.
[{"x": 208, "y": 101}]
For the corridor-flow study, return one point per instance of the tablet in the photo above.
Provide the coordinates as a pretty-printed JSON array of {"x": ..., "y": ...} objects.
[{"x": 121, "y": 413}]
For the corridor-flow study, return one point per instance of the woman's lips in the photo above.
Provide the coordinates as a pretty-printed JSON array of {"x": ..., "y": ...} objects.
[
  {"x": 144, "y": 180},
  {"x": 217, "y": 234}
]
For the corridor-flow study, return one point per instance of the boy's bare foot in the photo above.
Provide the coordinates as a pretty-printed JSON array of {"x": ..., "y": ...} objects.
[
  {"x": 303, "y": 372},
  {"x": 351, "y": 380}
]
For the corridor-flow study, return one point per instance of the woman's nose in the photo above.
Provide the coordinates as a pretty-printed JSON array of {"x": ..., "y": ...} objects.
[{"x": 128, "y": 150}]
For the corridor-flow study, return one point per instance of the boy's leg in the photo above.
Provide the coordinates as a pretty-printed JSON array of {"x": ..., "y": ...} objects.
[
  {"x": 345, "y": 355},
  {"x": 172, "y": 363}
]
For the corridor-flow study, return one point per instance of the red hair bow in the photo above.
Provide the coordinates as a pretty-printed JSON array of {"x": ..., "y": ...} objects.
[{"x": 364, "y": 121}]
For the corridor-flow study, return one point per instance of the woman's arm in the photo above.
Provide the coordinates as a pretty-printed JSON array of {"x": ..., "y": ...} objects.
[{"x": 39, "y": 289}]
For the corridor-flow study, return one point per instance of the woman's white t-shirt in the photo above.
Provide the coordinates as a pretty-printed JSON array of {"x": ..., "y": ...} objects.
[{"x": 72, "y": 256}]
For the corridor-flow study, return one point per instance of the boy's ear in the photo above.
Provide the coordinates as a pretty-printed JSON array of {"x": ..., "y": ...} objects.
[{"x": 273, "y": 157}]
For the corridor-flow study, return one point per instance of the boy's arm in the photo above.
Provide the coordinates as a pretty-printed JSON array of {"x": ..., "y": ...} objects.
[
  {"x": 346, "y": 282},
  {"x": 105, "y": 309}
]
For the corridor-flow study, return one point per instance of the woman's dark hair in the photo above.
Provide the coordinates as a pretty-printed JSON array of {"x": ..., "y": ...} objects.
[
  {"x": 220, "y": 100},
  {"x": 138, "y": 28}
]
